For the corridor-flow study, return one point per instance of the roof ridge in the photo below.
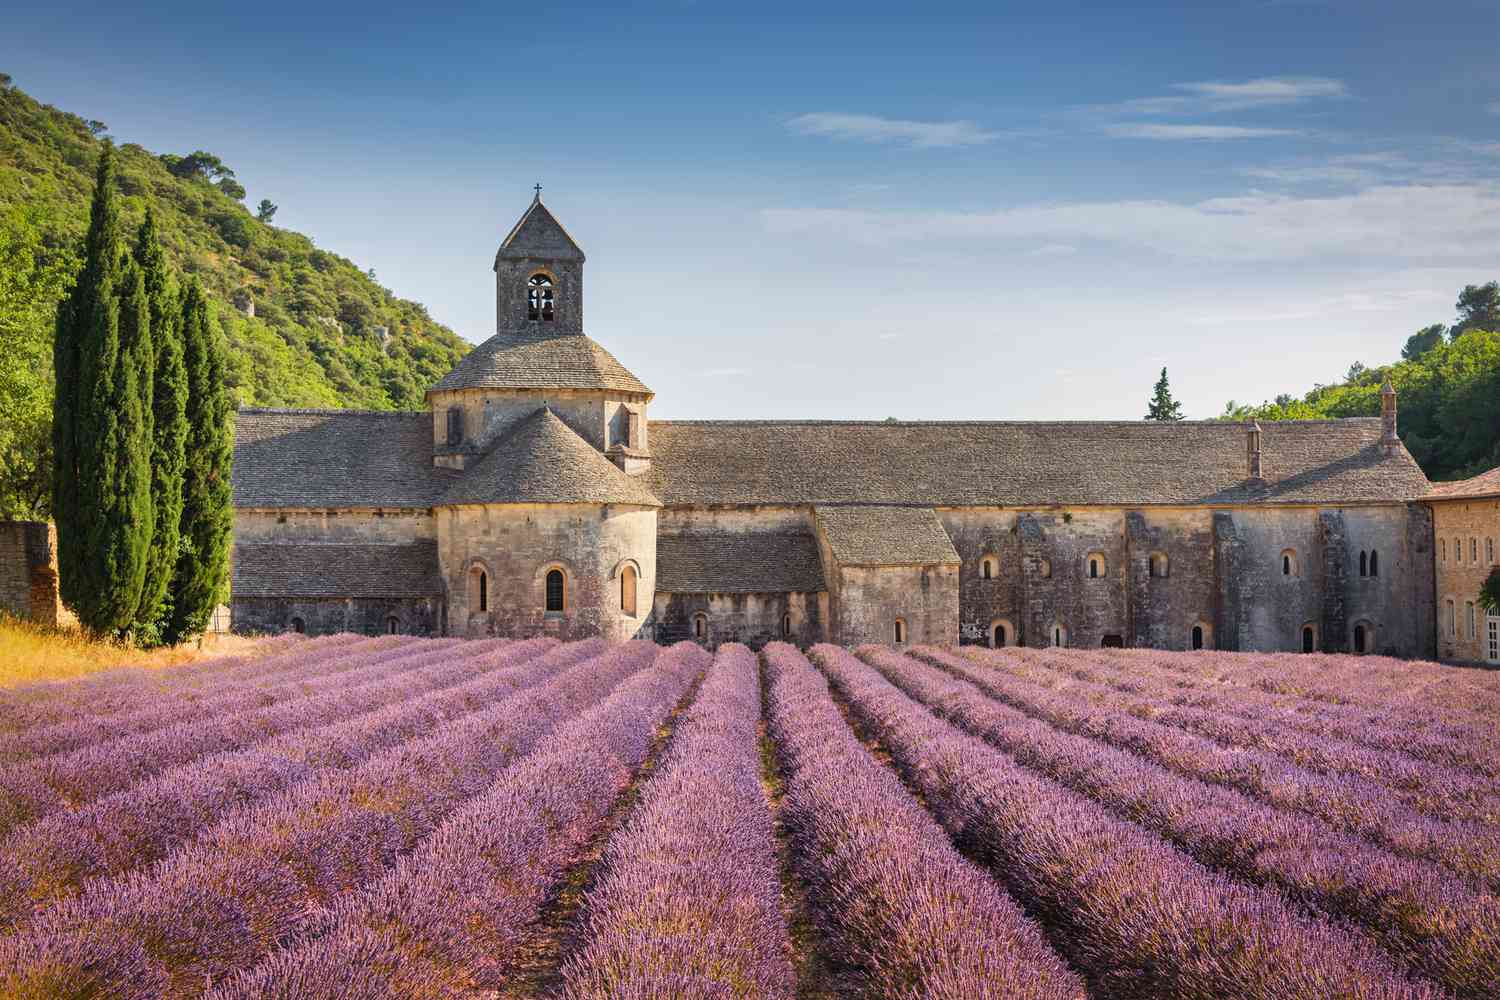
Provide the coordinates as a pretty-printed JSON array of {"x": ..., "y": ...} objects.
[
  {"x": 322, "y": 411},
  {"x": 1004, "y": 423}
]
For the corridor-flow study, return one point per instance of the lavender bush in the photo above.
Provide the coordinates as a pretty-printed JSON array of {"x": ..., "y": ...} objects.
[
  {"x": 689, "y": 901},
  {"x": 1139, "y": 916},
  {"x": 1420, "y": 912},
  {"x": 448, "y": 920},
  {"x": 250, "y": 882},
  {"x": 896, "y": 897}
]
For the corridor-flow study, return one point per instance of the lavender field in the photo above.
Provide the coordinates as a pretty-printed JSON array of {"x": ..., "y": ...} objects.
[{"x": 351, "y": 817}]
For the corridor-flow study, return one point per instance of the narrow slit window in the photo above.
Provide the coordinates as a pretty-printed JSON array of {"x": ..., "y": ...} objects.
[
  {"x": 1197, "y": 636},
  {"x": 484, "y": 591},
  {"x": 627, "y": 590},
  {"x": 700, "y": 626},
  {"x": 1364, "y": 564},
  {"x": 556, "y": 591},
  {"x": 900, "y": 631},
  {"x": 786, "y": 626},
  {"x": 1374, "y": 563}
]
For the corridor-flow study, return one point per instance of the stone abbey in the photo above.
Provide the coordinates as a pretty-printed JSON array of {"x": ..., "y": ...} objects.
[{"x": 534, "y": 495}]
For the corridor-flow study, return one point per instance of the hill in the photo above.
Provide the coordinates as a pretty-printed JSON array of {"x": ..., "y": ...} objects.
[{"x": 323, "y": 332}]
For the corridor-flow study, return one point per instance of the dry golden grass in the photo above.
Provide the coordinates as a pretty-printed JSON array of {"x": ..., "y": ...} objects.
[{"x": 31, "y": 652}]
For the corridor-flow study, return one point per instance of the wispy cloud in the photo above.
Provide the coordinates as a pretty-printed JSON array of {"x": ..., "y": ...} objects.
[
  {"x": 1424, "y": 222},
  {"x": 1158, "y": 130},
  {"x": 1328, "y": 174},
  {"x": 1212, "y": 96},
  {"x": 872, "y": 128}
]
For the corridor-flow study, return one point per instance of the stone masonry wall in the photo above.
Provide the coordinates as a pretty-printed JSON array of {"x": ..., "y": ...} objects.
[
  {"x": 1468, "y": 550},
  {"x": 28, "y": 572},
  {"x": 366, "y": 527},
  {"x": 490, "y": 413},
  {"x": 871, "y": 598},
  {"x": 414, "y": 616},
  {"x": 754, "y": 619},
  {"x": 516, "y": 545}
]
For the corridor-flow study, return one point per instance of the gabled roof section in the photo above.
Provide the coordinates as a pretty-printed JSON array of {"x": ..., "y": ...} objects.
[
  {"x": 335, "y": 459},
  {"x": 542, "y": 460},
  {"x": 539, "y": 234},
  {"x": 1486, "y": 484},
  {"x": 1009, "y": 464},
  {"x": 726, "y": 562},
  {"x": 886, "y": 536},
  {"x": 512, "y": 360}
]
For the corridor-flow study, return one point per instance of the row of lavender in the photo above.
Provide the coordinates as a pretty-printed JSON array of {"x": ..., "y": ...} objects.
[
  {"x": 1425, "y": 915},
  {"x": 1448, "y": 817},
  {"x": 253, "y": 881}
]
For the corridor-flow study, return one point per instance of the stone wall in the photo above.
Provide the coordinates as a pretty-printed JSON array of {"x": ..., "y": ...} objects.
[
  {"x": 872, "y": 598},
  {"x": 370, "y": 527},
  {"x": 490, "y": 413},
  {"x": 1470, "y": 529},
  {"x": 516, "y": 545},
  {"x": 28, "y": 572},
  {"x": 754, "y": 619},
  {"x": 324, "y": 616},
  {"x": 1217, "y": 571}
]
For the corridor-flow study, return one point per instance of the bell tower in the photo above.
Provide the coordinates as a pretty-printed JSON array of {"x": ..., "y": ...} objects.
[{"x": 539, "y": 278}]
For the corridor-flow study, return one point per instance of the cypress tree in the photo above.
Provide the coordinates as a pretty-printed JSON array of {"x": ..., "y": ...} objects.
[
  {"x": 116, "y": 486},
  {"x": 169, "y": 392},
  {"x": 1163, "y": 406},
  {"x": 86, "y": 326},
  {"x": 202, "y": 573}
]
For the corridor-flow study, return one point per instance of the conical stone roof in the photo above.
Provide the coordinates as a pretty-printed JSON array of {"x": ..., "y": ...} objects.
[
  {"x": 542, "y": 460},
  {"x": 514, "y": 359}
]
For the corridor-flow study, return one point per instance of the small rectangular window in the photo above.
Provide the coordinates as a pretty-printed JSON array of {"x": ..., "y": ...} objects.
[{"x": 1473, "y": 628}]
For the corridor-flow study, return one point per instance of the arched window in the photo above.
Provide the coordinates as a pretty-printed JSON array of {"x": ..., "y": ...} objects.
[
  {"x": 988, "y": 568},
  {"x": 900, "y": 630},
  {"x": 1458, "y": 550},
  {"x": 540, "y": 302},
  {"x": 1002, "y": 636},
  {"x": 1374, "y": 563},
  {"x": 393, "y": 625},
  {"x": 556, "y": 591},
  {"x": 298, "y": 625},
  {"x": 1452, "y": 624},
  {"x": 627, "y": 590},
  {"x": 1059, "y": 636},
  {"x": 1197, "y": 638},
  {"x": 1096, "y": 565},
  {"x": 1159, "y": 565},
  {"x": 1363, "y": 638},
  {"x": 479, "y": 589},
  {"x": 1309, "y": 639},
  {"x": 700, "y": 626},
  {"x": 1289, "y": 562},
  {"x": 1473, "y": 550},
  {"x": 1359, "y": 638},
  {"x": 786, "y": 626},
  {"x": 1364, "y": 564}
]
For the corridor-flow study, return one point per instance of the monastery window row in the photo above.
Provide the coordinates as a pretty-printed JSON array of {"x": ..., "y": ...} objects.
[
  {"x": 1458, "y": 549},
  {"x": 555, "y": 590}
]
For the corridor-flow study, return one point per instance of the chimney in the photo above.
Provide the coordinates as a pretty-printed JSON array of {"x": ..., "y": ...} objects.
[
  {"x": 1389, "y": 440},
  {"x": 1254, "y": 453}
]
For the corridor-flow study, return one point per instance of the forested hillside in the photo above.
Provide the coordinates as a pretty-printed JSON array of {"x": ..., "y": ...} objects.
[
  {"x": 1447, "y": 385},
  {"x": 323, "y": 333}
]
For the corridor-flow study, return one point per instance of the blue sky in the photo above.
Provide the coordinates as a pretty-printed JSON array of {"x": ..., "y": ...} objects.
[{"x": 822, "y": 210}]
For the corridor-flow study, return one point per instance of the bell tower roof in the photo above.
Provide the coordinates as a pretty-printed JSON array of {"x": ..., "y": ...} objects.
[{"x": 538, "y": 236}]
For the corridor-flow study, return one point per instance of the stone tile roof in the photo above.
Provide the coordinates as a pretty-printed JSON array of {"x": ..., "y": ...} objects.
[
  {"x": 284, "y": 569},
  {"x": 1486, "y": 484},
  {"x": 726, "y": 562},
  {"x": 1024, "y": 464},
  {"x": 335, "y": 458},
  {"x": 885, "y": 536},
  {"x": 524, "y": 360},
  {"x": 539, "y": 234},
  {"x": 541, "y": 460}
]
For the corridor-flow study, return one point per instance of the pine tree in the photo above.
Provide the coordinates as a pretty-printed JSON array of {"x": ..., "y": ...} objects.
[
  {"x": 202, "y": 572},
  {"x": 169, "y": 429},
  {"x": 86, "y": 324},
  {"x": 1163, "y": 406}
]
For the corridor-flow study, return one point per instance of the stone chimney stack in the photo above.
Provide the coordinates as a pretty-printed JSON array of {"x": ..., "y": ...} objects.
[
  {"x": 1256, "y": 469},
  {"x": 1389, "y": 440}
]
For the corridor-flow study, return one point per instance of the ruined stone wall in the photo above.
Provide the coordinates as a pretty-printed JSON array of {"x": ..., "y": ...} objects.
[
  {"x": 362, "y": 527},
  {"x": 754, "y": 619},
  {"x": 28, "y": 572},
  {"x": 515, "y": 545},
  {"x": 324, "y": 616},
  {"x": 1467, "y": 551}
]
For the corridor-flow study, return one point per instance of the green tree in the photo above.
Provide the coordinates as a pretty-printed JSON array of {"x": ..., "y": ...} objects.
[
  {"x": 1423, "y": 341},
  {"x": 232, "y": 188},
  {"x": 265, "y": 211},
  {"x": 169, "y": 391},
  {"x": 1489, "y": 594},
  {"x": 1478, "y": 308},
  {"x": 1163, "y": 406},
  {"x": 84, "y": 353},
  {"x": 202, "y": 573},
  {"x": 198, "y": 165}
]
